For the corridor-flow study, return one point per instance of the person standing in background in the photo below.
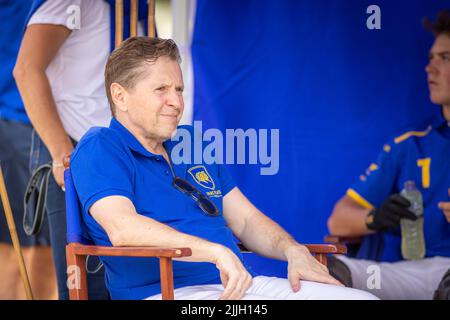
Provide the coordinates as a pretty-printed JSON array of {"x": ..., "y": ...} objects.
[
  {"x": 59, "y": 73},
  {"x": 15, "y": 143}
]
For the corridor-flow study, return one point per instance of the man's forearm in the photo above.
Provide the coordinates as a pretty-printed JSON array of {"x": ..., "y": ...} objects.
[
  {"x": 265, "y": 237},
  {"x": 139, "y": 230},
  {"x": 41, "y": 109},
  {"x": 348, "y": 219}
]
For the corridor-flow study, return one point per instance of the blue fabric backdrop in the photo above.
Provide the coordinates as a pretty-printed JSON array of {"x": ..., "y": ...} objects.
[{"x": 335, "y": 89}]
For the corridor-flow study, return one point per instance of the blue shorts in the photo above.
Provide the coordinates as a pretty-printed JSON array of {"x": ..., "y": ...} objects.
[{"x": 15, "y": 144}]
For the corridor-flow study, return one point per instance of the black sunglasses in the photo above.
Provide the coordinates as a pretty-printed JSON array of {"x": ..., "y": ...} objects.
[{"x": 207, "y": 206}]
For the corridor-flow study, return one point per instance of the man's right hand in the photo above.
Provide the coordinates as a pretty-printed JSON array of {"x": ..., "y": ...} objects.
[
  {"x": 58, "y": 161},
  {"x": 58, "y": 174},
  {"x": 235, "y": 278},
  {"x": 388, "y": 215}
]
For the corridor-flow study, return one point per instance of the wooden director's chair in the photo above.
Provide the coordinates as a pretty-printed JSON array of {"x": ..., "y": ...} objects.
[{"x": 80, "y": 246}]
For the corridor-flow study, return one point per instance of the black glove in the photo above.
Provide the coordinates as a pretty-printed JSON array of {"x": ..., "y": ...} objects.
[{"x": 388, "y": 215}]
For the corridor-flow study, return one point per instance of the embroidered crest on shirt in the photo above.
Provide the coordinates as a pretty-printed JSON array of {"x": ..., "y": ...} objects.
[{"x": 202, "y": 177}]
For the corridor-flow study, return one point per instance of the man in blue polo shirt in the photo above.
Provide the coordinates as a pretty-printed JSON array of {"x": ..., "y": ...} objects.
[
  {"x": 134, "y": 194},
  {"x": 373, "y": 207}
]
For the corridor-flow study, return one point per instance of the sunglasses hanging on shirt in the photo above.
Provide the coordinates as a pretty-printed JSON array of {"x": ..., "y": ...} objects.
[{"x": 207, "y": 206}]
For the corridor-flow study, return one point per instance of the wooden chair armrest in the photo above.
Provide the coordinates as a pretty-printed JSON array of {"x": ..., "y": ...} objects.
[
  {"x": 130, "y": 251},
  {"x": 76, "y": 256},
  {"x": 340, "y": 239},
  {"x": 326, "y": 248}
]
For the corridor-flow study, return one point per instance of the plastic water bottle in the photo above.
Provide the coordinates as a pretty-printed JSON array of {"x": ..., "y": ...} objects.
[{"x": 413, "y": 243}]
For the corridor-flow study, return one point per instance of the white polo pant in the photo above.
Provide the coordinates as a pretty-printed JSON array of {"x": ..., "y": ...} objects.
[
  {"x": 403, "y": 280},
  {"x": 271, "y": 288}
]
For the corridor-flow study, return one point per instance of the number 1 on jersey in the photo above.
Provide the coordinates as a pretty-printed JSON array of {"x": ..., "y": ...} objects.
[{"x": 425, "y": 165}]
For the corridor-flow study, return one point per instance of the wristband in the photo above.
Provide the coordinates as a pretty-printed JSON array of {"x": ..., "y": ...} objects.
[{"x": 56, "y": 164}]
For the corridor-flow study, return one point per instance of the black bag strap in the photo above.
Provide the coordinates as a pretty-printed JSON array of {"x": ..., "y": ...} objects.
[
  {"x": 35, "y": 199},
  {"x": 96, "y": 269}
]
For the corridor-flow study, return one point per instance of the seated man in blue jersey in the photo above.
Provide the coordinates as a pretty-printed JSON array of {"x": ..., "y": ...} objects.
[
  {"x": 133, "y": 193},
  {"x": 373, "y": 206}
]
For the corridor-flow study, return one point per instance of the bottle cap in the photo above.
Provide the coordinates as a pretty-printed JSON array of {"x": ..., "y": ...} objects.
[{"x": 410, "y": 185}]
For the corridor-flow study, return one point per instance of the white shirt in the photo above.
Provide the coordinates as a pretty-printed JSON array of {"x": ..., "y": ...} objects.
[{"x": 76, "y": 74}]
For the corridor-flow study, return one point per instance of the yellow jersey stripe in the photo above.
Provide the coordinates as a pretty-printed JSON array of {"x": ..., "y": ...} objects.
[
  {"x": 406, "y": 135},
  {"x": 359, "y": 199}
]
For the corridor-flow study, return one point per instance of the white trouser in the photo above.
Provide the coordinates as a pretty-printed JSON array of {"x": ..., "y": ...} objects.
[
  {"x": 409, "y": 280},
  {"x": 271, "y": 288}
]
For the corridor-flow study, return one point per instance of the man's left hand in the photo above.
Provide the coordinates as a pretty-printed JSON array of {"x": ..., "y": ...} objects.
[
  {"x": 445, "y": 207},
  {"x": 303, "y": 266}
]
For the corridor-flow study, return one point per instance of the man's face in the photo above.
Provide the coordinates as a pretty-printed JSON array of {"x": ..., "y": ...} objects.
[
  {"x": 438, "y": 70},
  {"x": 155, "y": 104}
]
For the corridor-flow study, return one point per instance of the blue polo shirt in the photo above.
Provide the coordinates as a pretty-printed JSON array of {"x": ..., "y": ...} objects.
[
  {"x": 12, "y": 21},
  {"x": 423, "y": 156},
  {"x": 111, "y": 161}
]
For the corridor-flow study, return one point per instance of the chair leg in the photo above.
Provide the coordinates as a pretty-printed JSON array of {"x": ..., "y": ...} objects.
[
  {"x": 165, "y": 266},
  {"x": 322, "y": 258},
  {"x": 76, "y": 275}
]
